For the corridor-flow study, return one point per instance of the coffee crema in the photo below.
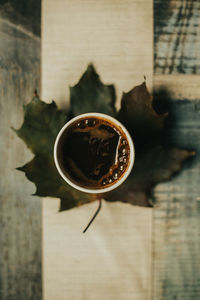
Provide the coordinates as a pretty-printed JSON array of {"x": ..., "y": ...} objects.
[{"x": 93, "y": 152}]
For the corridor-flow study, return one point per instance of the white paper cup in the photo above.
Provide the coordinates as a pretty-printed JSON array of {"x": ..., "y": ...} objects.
[{"x": 124, "y": 175}]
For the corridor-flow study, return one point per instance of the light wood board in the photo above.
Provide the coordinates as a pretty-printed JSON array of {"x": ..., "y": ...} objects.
[{"x": 113, "y": 260}]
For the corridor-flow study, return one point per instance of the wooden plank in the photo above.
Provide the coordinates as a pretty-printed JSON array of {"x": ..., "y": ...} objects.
[
  {"x": 179, "y": 86},
  {"x": 113, "y": 259},
  {"x": 176, "y": 242},
  {"x": 176, "y": 218},
  {"x": 176, "y": 37},
  {"x": 20, "y": 214}
]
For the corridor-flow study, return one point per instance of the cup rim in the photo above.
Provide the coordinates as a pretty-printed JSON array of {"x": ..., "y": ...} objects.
[{"x": 127, "y": 172}]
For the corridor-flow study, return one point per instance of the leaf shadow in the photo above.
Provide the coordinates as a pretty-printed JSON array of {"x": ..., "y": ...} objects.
[{"x": 164, "y": 103}]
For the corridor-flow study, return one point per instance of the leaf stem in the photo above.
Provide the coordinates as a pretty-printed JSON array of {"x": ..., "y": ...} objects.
[{"x": 96, "y": 213}]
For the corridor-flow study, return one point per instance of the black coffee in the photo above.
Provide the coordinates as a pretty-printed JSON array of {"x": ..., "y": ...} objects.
[{"x": 93, "y": 153}]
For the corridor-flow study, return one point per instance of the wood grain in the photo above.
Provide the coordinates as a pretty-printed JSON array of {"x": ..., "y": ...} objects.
[
  {"x": 113, "y": 259},
  {"x": 117, "y": 37},
  {"x": 20, "y": 214},
  {"x": 176, "y": 217},
  {"x": 179, "y": 86},
  {"x": 109, "y": 38},
  {"x": 176, "y": 37},
  {"x": 177, "y": 214}
]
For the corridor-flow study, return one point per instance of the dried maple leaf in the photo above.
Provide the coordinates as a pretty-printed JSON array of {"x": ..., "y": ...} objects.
[
  {"x": 91, "y": 95},
  {"x": 155, "y": 162},
  {"x": 42, "y": 122}
]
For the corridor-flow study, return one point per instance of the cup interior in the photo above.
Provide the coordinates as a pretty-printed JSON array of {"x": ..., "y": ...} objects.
[{"x": 67, "y": 178}]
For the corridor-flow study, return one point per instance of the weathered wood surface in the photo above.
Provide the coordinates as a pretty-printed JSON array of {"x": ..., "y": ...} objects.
[
  {"x": 177, "y": 215},
  {"x": 176, "y": 218},
  {"x": 20, "y": 213},
  {"x": 176, "y": 36},
  {"x": 112, "y": 261},
  {"x": 179, "y": 86},
  {"x": 176, "y": 245}
]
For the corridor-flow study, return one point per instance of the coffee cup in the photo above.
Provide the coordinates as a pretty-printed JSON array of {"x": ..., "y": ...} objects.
[{"x": 94, "y": 153}]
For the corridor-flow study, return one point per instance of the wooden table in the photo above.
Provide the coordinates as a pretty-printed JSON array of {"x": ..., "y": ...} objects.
[{"x": 129, "y": 252}]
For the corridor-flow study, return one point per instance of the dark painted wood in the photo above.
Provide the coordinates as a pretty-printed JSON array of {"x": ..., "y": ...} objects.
[
  {"x": 176, "y": 222},
  {"x": 23, "y": 13},
  {"x": 176, "y": 219},
  {"x": 20, "y": 213},
  {"x": 176, "y": 36}
]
